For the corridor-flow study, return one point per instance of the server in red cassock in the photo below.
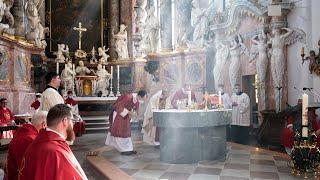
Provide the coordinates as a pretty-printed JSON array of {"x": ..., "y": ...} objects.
[
  {"x": 182, "y": 96},
  {"x": 49, "y": 156},
  {"x": 120, "y": 131}
]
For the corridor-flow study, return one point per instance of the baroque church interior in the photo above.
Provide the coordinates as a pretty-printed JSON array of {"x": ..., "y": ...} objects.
[{"x": 166, "y": 89}]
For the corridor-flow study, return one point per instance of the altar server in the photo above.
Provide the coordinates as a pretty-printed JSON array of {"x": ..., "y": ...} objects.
[
  {"x": 239, "y": 129},
  {"x": 182, "y": 95},
  {"x": 159, "y": 100},
  {"x": 79, "y": 126},
  {"x": 120, "y": 131},
  {"x": 6, "y": 117},
  {"x": 225, "y": 97},
  {"x": 51, "y": 96},
  {"x": 36, "y": 103}
]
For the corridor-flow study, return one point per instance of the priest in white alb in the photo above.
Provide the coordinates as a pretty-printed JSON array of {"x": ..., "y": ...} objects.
[
  {"x": 240, "y": 126},
  {"x": 151, "y": 133},
  {"x": 225, "y": 97},
  {"x": 51, "y": 97}
]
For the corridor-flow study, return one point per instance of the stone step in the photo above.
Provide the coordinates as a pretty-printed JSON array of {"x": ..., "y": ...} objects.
[
  {"x": 97, "y": 130},
  {"x": 97, "y": 124},
  {"x": 94, "y": 118}
]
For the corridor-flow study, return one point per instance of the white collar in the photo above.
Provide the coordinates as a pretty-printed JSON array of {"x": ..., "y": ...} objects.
[{"x": 62, "y": 136}]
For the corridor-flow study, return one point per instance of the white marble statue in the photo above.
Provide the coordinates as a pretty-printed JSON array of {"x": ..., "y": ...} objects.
[
  {"x": 104, "y": 56},
  {"x": 121, "y": 42},
  {"x": 234, "y": 68},
  {"x": 222, "y": 53},
  {"x": 62, "y": 48},
  {"x": 103, "y": 80},
  {"x": 278, "y": 62},
  {"x": 93, "y": 59},
  {"x": 199, "y": 22},
  {"x": 151, "y": 35},
  {"x": 6, "y": 15},
  {"x": 82, "y": 70},
  {"x": 260, "y": 41},
  {"x": 35, "y": 30},
  {"x": 67, "y": 78}
]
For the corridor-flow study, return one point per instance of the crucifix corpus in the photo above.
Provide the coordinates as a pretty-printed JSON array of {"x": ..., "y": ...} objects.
[{"x": 80, "y": 53}]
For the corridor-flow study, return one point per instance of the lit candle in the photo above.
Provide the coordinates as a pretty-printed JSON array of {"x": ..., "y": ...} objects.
[
  {"x": 302, "y": 50},
  {"x": 305, "y": 115},
  {"x": 118, "y": 75},
  {"x": 219, "y": 97},
  {"x": 73, "y": 67},
  {"x": 111, "y": 71},
  {"x": 189, "y": 98},
  {"x": 57, "y": 66}
]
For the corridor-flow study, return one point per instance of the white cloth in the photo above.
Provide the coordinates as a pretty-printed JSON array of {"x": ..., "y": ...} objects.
[
  {"x": 121, "y": 144},
  {"x": 50, "y": 97},
  {"x": 241, "y": 112},
  {"x": 226, "y": 101},
  {"x": 148, "y": 128}
]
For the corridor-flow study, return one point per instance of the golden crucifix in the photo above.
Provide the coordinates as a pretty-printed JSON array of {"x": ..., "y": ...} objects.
[{"x": 80, "y": 29}]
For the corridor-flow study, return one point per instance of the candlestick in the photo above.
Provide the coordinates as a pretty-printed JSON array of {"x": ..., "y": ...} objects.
[
  {"x": 111, "y": 91},
  {"x": 302, "y": 50},
  {"x": 57, "y": 67},
  {"x": 118, "y": 89},
  {"x": 305, "y": 115},
  {"x": 73, "y": 67}
]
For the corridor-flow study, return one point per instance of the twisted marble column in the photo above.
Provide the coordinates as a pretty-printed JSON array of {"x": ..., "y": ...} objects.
[{"x": 19, "y": 17}]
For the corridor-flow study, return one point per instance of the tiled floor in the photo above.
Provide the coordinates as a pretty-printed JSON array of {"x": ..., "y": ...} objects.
[{"x": 243, "y": 162}]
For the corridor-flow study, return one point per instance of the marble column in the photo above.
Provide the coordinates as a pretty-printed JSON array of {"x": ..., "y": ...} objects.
[
  {"x": 114, "y": 19},
  {"x": 19, "y": 17},
  {"x": 182, "y": 21},
  {"x": 166, "y": 25}
]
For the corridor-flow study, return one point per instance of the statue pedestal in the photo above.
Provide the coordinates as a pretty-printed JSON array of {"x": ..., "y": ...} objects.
[{"x": 86, "y": 85}]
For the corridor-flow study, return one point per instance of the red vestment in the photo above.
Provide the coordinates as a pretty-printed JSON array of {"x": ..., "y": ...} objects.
[
  {"x": 22, "y": 138},
  {"x": 70, "y": 101},
  {"x": 50, "y": 157},
  {"x": 35, "y": 104},
  {"x": 180, "y": 95},
  {"x": 6, "y": 116},
  {"x": 120, "y": 126},
  {"x": 288, "y": 134}
]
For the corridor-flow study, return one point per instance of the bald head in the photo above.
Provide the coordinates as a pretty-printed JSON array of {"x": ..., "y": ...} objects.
[{"x": 39, "y": 120}]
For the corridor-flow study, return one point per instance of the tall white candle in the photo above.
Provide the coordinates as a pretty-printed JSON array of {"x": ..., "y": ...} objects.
[
  {"x": 189, "y": 98},
  {"x": 111, "y": 72},
  {"x": 305, "y": 114},
  {"x": 57, "y": 66},
  {"x": 219, "y": 97},
  {"x": 118, "y": 69},
  {"x": 73, "y": 67}
]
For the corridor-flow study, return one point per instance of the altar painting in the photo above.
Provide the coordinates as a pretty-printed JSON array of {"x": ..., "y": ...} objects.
[
  {"x": 20, "y": 69},
  {"x": 64, "y": 15},
  {"x": 4, "y": 67}
]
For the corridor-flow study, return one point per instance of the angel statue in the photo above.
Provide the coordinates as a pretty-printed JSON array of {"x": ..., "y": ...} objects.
[
  {"x": 6, "y": 18},
  {"x": 60, "y": 57},
  {"x": 104, "y": 56},
  {"x": 235, "y": 52},
  {"x": 222, "y": 53},
  {"x": 260, "y": 47},
  {"x": 93, "y": 59},
  {"x": 103, "y": 80},
  {"x": 278, "y": 42},
  {"x": 67, "y": 78}
]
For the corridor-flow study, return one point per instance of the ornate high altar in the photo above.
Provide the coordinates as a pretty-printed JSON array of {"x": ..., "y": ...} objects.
[{"x": 86, "y": 85}]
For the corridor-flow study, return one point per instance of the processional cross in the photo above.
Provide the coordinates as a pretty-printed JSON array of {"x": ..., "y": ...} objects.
[{"x": 80, "y": 29}]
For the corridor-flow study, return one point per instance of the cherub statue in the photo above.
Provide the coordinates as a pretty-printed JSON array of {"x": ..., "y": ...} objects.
[
  {"x": 93, "y": 59},
  {"x": 104, "y": 56},
  {"x": 5, "y": 14},
  {"x": 60, "y": 57},
  {"x": 82, "y": 70}
]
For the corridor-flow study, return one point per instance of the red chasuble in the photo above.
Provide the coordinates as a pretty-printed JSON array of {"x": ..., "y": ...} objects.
[
  {"x": 35, "y": 104},
  {"x": 120, "y": 126},
  {"x": 22, "y": 138},
  {"x": 50, "y": 157},
  {"x": 6, "y": 116},
  {"x": 180, "y": 95},
  {"x": 70, "y": 101}
]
